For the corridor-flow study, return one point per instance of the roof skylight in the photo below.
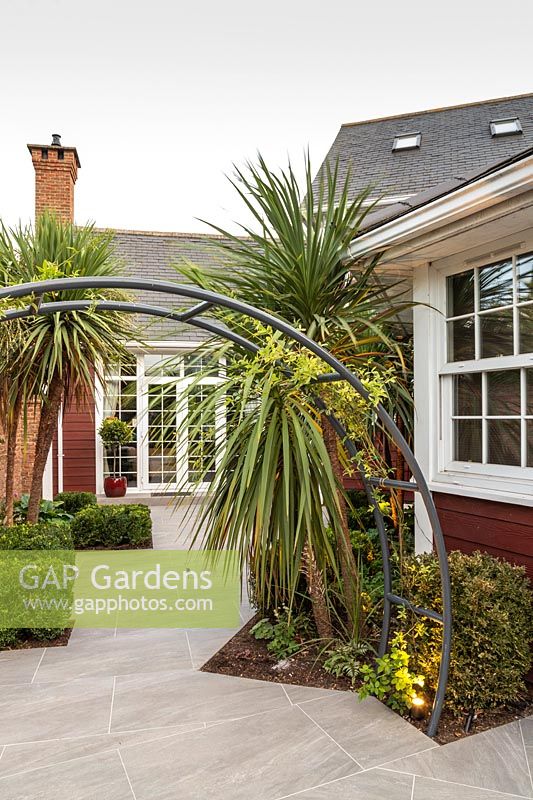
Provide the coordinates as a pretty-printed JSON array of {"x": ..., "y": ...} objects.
[
  {"x": 505, "y": 127},
  {"x": 407, "y": 141}
]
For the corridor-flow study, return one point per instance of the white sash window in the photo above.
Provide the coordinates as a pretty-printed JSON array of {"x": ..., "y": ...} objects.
[{"x": 474, "y": 373}]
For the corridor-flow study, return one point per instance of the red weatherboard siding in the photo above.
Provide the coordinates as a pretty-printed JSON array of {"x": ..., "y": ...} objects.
[
  {"x": 502, "y": 529},
  {"x": 79, "y": 449}
]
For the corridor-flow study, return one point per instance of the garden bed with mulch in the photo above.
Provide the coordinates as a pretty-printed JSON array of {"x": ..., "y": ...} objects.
[
  {"x": 27, "y": 643},
  {"x": 246, "y": 657}
]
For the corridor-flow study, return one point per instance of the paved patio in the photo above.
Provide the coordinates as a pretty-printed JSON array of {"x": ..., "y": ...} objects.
[{"x": 125, "y": 714}]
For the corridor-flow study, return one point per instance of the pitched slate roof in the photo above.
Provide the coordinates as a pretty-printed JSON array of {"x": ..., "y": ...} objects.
[
  {"x": 386, "y": 213},
  {"x": 455, "y": 141},
  {"x": 150, "y": 255}
]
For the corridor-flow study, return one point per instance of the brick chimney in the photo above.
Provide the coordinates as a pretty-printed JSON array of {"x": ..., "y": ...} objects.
[{"x": 56, "y": 170}]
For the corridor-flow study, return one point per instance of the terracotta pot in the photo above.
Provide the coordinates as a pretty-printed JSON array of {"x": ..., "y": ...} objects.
[{"x": 115, "y": 487}]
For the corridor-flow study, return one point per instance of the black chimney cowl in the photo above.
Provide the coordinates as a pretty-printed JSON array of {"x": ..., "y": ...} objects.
[{"x": 56, "y": 140}]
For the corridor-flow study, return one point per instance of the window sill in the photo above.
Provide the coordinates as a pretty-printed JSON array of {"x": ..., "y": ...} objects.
[{"x": 477, "y": 487}]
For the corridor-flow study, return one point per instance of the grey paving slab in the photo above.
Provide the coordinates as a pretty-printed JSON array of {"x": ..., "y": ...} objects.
[
  {"x": 204, "y": 643},
  {"x": 529, "y": 757},
  {"x": 302, "y": 694},
  {"x": 101, "y": 776},
  {"x": 367, "y": 730},
  {"x": 18, "y": 666},
  {"x": 82, "y": 634},
  {"x": 173, "y": 526},
  {"x": 493, "y": 760},
  {"x": 371, "y": 785},
  {"x": 526, "y": 726},
  {"x": 189, "y": 697},
  {"x": 260, "y": 758},
  {"x": 28, "y": 756},
  {"x": 168, "y": 541},
  {"x": 427, "y": 789},
  {"x": 122, "y": 655},
  {"x": 247, "y": 612},
  {"x": 54, "y": 710},
  {"x": 174, "y": 636}
]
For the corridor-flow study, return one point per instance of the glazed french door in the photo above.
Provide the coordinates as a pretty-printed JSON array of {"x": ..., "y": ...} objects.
[
  {"x": 169, "y": 456},
  {"x": 148, "y": 392},
  {"x": 163, "y": 456}
]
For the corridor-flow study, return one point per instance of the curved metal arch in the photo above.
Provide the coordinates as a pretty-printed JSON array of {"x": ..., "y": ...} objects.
[{"x": 340, "y": 372}]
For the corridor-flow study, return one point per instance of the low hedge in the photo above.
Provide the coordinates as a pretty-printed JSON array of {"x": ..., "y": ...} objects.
[
  {"x": 41, "y": 536},
  {"x": 492, "y": 628},
  {"x": 75, "y": 501},
  {"x": 11, "y": 637},
  {"x": 111, "y": 526}
]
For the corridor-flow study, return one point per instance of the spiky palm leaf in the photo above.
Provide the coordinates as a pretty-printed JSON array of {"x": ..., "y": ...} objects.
[
  {"x": 61, "y": 354},
  {"x": 295, "y": 265},
  {"x": 272, "y": 478}
]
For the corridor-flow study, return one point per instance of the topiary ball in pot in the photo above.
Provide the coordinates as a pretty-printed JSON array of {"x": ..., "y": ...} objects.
[{"x": 115, "y": 433}]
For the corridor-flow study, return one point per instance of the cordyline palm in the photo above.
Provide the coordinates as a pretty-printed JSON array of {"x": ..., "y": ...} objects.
[
  {"x": 61, "y": 354},
  {"x": 11, "y": 342},
  {"x": 296, "y": 267},
  {"x": 271, "y": 480}
]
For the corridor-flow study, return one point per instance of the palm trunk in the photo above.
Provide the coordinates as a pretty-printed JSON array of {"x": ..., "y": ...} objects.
[
  {"x": 349, "y": 571},
  {"x": 45, "y": 436},
  {"x": 317, "y": 594},
  {"x": 13, "y": 421}
]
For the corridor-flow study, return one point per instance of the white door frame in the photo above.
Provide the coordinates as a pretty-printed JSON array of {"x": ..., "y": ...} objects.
[{"x": 143, "y": 484}]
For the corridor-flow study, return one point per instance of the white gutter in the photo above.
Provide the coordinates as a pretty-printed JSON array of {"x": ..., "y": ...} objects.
[
  {"x": 478, "y": 195},
  {"x": 60, "y": 451},
  {"x": 48, "y": 477}
]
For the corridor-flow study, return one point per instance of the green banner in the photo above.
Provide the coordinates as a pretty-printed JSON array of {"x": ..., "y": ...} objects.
[{"x": 119, "y": 588}]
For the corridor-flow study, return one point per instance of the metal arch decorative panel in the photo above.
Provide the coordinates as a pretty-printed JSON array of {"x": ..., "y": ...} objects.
[{"x": 208, "y": 300}]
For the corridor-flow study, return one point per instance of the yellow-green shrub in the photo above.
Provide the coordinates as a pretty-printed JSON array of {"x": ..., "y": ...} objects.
[{"x": 492, "y": 627}]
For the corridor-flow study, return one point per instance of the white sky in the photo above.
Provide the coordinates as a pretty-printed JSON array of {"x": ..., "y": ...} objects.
[{"x": 161, "y": 97}]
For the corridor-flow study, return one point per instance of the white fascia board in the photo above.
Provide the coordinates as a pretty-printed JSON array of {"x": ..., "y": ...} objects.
[
  {"x": 160, "y": 345},
  {"x": 459, "y": 203}
]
